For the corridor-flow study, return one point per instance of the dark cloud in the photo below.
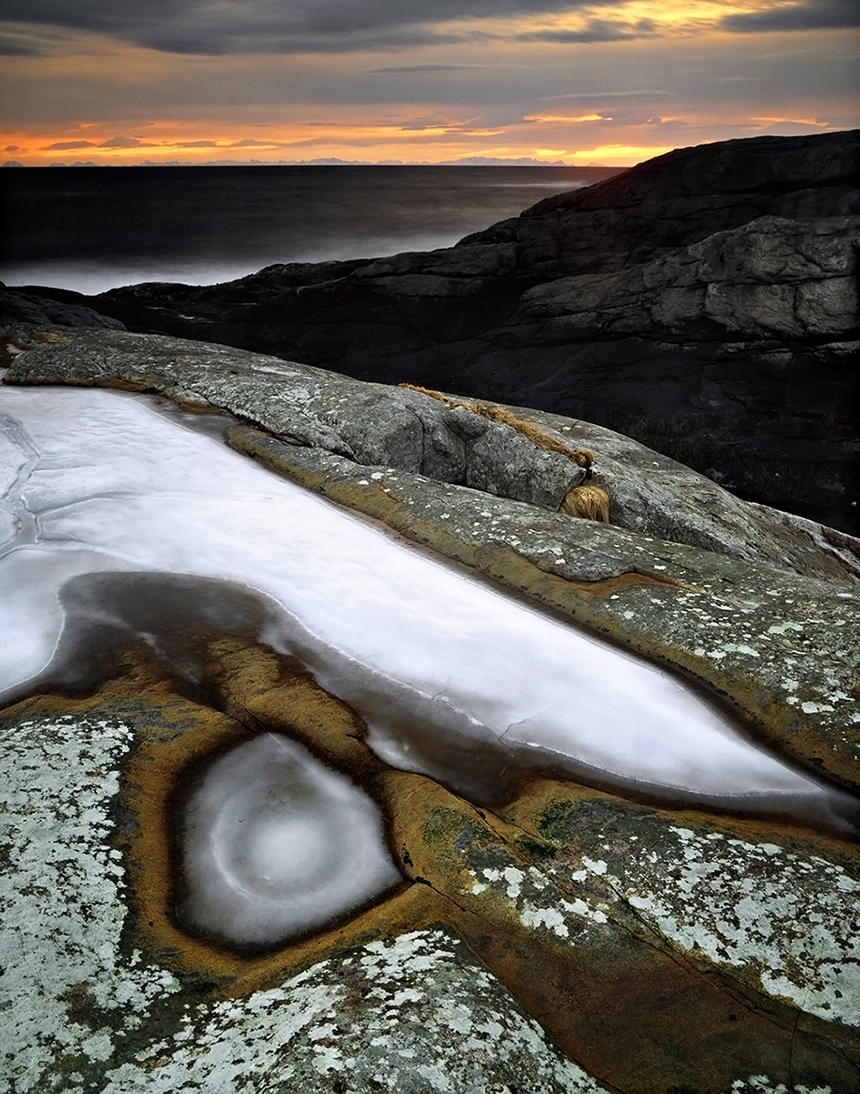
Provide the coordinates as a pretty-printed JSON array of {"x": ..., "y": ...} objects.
[
  {"x": 274, "y": 26},
  {"x": 595, "y": 30},
  {"x": 197, "y": 144},
  {"x": 15, "y": 47},
  {"x": 596, "y": 96},
  {"x": 121, "y": 142},
  {"x": 811, "y": 15},
  {"x": 64, "y": 146},
  {"x": 249, "y": 142}
]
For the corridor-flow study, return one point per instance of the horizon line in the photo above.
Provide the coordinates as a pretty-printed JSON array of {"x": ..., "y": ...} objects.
[{"x": 468, "y": 161}]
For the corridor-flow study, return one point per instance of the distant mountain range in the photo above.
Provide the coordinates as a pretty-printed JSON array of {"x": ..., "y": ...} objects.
[{"x": 467, "y": 161}]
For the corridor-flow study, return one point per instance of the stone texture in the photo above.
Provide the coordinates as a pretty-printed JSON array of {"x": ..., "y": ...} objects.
[
  {"x": 396, "y": 427},
  {"x": 562, "y": 940},
  {"x": 771, "y": 278},
  {"x": 85, "y": 1011},
  {"x": 660, "y": 949}
]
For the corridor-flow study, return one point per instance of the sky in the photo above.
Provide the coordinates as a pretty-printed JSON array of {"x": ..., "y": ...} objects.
[{"x": 582, "y": 82}]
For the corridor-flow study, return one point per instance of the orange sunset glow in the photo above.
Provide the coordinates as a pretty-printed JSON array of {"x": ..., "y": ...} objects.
[{"x": 549, "y": 82}]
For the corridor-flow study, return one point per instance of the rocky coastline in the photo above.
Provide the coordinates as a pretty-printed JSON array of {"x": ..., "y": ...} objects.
[
  {"x": 541, "y": 925},
  {"x": 704, "y": 302}
]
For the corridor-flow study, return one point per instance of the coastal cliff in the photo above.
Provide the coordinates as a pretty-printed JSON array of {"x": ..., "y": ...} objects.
[{"x": 541, "y": 920}]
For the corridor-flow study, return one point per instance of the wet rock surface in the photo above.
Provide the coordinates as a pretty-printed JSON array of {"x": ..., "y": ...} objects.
[
  {"x": 704, "y": 302},
  {"x": 560, "y": 939}
]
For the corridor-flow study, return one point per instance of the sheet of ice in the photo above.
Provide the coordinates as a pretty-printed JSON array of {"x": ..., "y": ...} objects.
[
  {"x": 276, "y": 844},
  {"x": 404, "y": 638}
]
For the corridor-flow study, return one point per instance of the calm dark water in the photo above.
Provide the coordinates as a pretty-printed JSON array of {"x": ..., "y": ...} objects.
[{"x": 91, "y": 229}]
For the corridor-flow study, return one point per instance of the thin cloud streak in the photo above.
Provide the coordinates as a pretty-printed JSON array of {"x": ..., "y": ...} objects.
[{"x": 812, "y": 15}]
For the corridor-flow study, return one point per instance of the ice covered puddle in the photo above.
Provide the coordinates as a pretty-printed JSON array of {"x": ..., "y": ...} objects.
[
  {"x": 96, "y": 481},
  {"x": 275, "y": 844}
]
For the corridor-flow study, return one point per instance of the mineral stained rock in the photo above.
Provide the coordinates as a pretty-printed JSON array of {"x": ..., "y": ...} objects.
[
  {"x": 704, "y": 302},
  {"x": 86, "y": 1010},
  {"x": 562, "y": 938}
]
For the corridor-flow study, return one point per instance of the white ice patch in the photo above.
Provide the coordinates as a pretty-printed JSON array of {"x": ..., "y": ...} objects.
[
  {"x": 118, "y": 483},
  {"x": 276, "y": 844}
]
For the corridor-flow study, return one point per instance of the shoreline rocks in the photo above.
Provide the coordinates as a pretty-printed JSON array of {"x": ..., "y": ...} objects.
[{"x": 703, "y": 302}]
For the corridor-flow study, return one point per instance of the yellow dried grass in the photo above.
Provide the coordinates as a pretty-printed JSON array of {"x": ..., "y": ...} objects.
[
  {"x": 587, "y": 502},
  {"x": 583, "y": 457}
]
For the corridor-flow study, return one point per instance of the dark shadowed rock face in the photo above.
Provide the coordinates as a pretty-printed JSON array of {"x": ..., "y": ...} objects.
[
  {"x": 61, "y": 309},
  {"x": 704, "y": 302}
]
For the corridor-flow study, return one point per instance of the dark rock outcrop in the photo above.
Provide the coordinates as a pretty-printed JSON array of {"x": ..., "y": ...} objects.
[
  {"x": 27, "y": 310},
  {"x": 704, "y": 302}
]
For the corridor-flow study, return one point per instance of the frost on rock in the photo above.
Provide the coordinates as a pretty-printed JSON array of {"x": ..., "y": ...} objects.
[
  {"x": 62, "y": 904},
  {"x": 389, "y": 1016}
]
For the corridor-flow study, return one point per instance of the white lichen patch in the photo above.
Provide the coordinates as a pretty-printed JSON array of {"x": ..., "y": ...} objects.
[
  {"x": 80, "y": 1014},
  {"x": 790, "y": 922},
  {"x": 762, "y": 1084},
  {"x": 67, "y": 991},
  {"x": 416, "y": 1014},
  {"x": 534, "y": 900}
]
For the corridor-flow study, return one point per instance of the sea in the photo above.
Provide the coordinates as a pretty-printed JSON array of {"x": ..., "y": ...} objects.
[{"x": 95, "y": 228}]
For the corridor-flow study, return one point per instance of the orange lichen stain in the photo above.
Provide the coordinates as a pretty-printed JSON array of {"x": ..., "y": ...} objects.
[
  {"x": 592, "y": 984},
  {"x": 519, "y": 572},
  {"x": 273, "y": 699},
  {"x": 174, "y": 736},
  {"x": 538, "y": 797}
]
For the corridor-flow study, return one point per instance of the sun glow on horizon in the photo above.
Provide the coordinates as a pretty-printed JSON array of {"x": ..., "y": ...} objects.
[{"x": 612, "y": 84}]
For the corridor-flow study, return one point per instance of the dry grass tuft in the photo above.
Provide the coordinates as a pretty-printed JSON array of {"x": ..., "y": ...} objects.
[
  {"x": 433, "y": 394},
  {"x": 583, "y": 457},
  {"x": 588, "y": 502}
]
